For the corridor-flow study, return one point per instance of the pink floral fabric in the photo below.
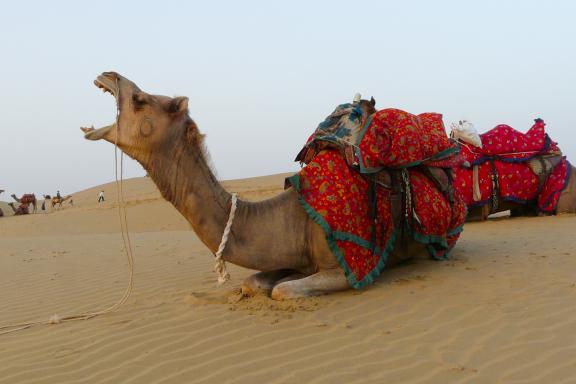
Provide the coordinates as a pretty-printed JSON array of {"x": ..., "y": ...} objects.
[
  {"x": 556, "y": 183},
  {"x": 510, "y": 150},
  {"x": 336, "y": 197}
]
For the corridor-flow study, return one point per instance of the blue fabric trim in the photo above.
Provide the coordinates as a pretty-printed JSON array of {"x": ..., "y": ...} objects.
[
  {"x": 456, "y": 230},
  {"x": 479, "y": 204},
  {"x": 516, "y": 200},
  {"x": 364, "y": 129},
  {"x": 361, "y": 166},
  {"x": 439, "y": 156},
  {"x": 331, "y": 238}
]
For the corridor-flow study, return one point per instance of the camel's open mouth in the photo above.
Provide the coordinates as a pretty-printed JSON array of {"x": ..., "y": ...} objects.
[{"x": 108, "y": 83}]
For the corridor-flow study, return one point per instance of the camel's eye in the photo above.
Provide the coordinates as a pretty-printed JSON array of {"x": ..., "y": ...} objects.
[{"x": 139, "y": 100}]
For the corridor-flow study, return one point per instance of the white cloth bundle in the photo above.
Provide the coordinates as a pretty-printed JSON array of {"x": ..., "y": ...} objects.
[{"x": 465, "y": 131}]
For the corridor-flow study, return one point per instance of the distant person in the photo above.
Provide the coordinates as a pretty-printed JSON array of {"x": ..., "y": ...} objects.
[
  {"x": 101, "y": 196},
  {"x": 58, "y": 194}
]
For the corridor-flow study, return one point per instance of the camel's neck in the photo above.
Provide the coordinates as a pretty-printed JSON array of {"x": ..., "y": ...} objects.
[
  {"x": 184, "y": 178},
  {"x": 276, "y": 226}
]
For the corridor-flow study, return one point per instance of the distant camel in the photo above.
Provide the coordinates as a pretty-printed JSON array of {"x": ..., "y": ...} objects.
[
  {"x": 1, "y": 211},
  {"x": 59, "y": 200},
  {"x": 26, "y": 199},
  {"x": 21, "y": 210}
]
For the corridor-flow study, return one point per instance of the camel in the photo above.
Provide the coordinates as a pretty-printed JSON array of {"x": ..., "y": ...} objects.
[
  {"x": 541, "y": 165},
  {"x": 26, "y": 199},
  {"x": 58, "y": 200},
  {"x": 566, "y": 204},
  {"x": 274, "y": 236},
  {"x": 21, "y": 210}
]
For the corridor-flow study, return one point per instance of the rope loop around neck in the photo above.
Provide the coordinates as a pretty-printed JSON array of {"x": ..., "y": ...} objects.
[{"x": 220, "y": 266}]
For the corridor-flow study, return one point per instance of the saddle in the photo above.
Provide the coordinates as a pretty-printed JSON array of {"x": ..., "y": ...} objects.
[
  {"x": 397, "y": 182},
  {"x": 542, "y": 166},
  {"x": 504, "y": 150}
]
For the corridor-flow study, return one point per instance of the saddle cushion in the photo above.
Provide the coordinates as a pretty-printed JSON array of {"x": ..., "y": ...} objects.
[
  {"x": 393, "y": 138},
  {"x": 336, "y": 197},
  {"x": 508, "y": 144},
  {"x": 389, "y": 138}
]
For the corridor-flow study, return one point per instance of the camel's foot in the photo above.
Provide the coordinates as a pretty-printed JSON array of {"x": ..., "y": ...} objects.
[
  {"x": 317, "y": 284},
  {"x": 264, "y": 281}
]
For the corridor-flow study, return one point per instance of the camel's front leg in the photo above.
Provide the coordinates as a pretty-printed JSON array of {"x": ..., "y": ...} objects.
[
  {"x": 264, "y": 281},
  {"x": 322, "y": 282}
]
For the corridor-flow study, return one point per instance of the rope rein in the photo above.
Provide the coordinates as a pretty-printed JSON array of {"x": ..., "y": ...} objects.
[
  {"x": 56, "y": 319},
  {"x": 220, "y": 266}
]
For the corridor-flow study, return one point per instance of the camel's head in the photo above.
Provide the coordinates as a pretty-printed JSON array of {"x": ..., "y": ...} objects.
[
  {"x": 349, "y": 118},
  {"x": 144, "y": 122}
]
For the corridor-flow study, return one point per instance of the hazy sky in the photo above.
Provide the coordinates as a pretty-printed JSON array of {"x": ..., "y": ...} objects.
[{"x": 261, "y": 75}]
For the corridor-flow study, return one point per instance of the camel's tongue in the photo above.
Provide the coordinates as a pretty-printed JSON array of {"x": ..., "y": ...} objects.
[{"x": 97, "y": 134}]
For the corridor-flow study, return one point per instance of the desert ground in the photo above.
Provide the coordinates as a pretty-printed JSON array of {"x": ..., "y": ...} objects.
[{"x": 500, "y": 311}]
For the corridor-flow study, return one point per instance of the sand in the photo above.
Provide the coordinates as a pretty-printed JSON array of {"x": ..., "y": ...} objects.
[{"x": 500, "y": 311}]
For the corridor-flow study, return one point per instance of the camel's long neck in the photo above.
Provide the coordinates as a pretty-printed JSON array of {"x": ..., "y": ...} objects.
[
  {"x": 184, "y": 178},
  {"x": 267, "y": 235}
]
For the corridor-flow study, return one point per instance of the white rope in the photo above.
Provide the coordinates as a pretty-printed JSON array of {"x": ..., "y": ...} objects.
[
  {"x": 220, "y": 266},
  {"x": 56, "y": 319}
]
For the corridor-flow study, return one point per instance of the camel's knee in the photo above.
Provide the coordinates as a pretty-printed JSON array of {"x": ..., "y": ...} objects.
[
  {"x": 287, "y": 290},
  {"x": 252, "y": 285},
  {"x": 263, "y": 282},
  {"x": 317, "y": 284}
]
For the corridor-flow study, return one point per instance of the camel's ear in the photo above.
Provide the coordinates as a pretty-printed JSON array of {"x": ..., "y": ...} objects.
[
  {"x": 178, "y": 104},
  {"x": 372, "y": 101}
]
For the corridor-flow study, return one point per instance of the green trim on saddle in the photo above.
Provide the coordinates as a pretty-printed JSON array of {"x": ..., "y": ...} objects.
[
  {"x": 431, "y": 240},
  {"x": 333, "y": 236},
  {"x": 439, "y": 156}
]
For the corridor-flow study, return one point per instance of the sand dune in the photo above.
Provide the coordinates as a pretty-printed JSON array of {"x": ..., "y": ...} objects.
[{"x": 500, "y": 311}]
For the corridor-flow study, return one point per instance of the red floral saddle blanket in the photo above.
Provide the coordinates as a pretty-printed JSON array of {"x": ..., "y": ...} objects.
[
  {"x": 336, "y": 197},
  {"x": 397, "y": 139},
  {"x": 516, "y": 182},
  {"x": 338, "y": 189},
  {"x": 503, "y": 168}
]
